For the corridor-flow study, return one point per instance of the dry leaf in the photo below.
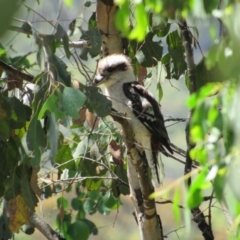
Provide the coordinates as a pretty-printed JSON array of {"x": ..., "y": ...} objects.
[
  {"x": 116, "y": 152},
  {"x": 18, "y": 213},
  {"x": 92, "y": 120},
  {"x": 34, "y": 182},
  {"x": 82, "y": 117},
  {"x": 142, "y": 74}
]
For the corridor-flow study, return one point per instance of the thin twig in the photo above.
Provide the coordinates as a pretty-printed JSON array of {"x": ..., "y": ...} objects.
[{"x": 74, "y": 44}]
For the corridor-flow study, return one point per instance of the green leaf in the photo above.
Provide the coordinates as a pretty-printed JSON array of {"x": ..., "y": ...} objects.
[
  {"x": 211, "y": 75},
  {"x": 61, "y": 70},
  {"x": 102, "y": 208},
  {"x": 81, "y": 215},
  {"x": 122, "y": 18},
  {"x": 159, "y": 25},
  {"x": 62, "y": 203},
  {"x": 91, "y": 184},
  {"x": 160, "y": 91},
  {"x": 90, "y": 206},
  {"x": 213, "y": 112},
  {"x": 96, "y": 102},
  {"x": 64, "y": 158},
  {"x": 150, "y": 52},
  {"x": 47, "y": 190},
  {"x": 95, "y": 152},
  {"x": 20, "y": 61},
  {"x": 187, "y": 81},
  {"x": 93, "y": 195},
  {"x": 87, "y": 4},
  {"x": 176, "y": 52},
  {"x": 176, "y": 209},
  {"x": 26, "y": 27},
  {"x": 209, "y": 6},
  {"x": 2, "y": 179},
  {"x": 166, "y": 61},
  {"x": 53, "y": 135},
  {"x": 27, "y": 192},
  {"x": 93, "y": 37},
  {"x": 7, "y": 10},
  {"x": 76, "y": 229},
  {"x": 92, "y": 227},
  {"x": 122, "y": 174},
  {"x": 110, "y": 201},
  {"x": 69, "y": 3},
  {"x": 10, "y": 155},
  {"x": 51, "y": 105},
  {"x": 4, "y": 130},
  {"x": 12, "y": 187},
  {"x": 62, "y": 34},
  {"x": 195, "y": 195},
  {"x": 219, "y": 184},
  {"x": 72, "y": 101},
  {"x": 63, "y": 222},
  {"x": 28, "y": 229},
  {"x": 88, "y": 168},
  {"x": 40, "y": 96},
  {"x": 35, "y": 140},
  {"x": 76, "y": 204},
  {"x": 140, "y": 29}
]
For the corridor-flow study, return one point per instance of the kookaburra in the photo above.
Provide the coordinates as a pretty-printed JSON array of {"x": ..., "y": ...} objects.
[{"x": 139, "y": 106}]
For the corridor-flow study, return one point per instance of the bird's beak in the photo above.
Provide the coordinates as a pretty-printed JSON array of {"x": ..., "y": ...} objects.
[{"x": 100, "y": 79}]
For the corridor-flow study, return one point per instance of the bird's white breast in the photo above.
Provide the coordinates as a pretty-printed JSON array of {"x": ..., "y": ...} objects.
[{"x": 122, "y": 105}]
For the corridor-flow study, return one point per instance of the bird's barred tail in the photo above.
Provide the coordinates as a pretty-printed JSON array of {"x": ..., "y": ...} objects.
[
  {"x": 157, "y": 168},
  {"x": 157, "y": 171}
]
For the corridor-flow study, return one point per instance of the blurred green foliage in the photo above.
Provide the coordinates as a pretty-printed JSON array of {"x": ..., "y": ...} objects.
[{"x": 52, "y": 119}]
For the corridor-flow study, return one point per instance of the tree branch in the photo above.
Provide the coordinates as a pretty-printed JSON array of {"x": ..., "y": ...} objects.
[
  {"x": 148, "y": 221},
  {"x": 140, "y": 184},
  {"x": 196, "y": 212},
  {"x": 16, "y": 72},
  {"x": 44, "y": 228}
]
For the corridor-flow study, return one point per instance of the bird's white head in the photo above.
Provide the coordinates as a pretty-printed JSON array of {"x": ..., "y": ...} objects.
[{"x": 112, "y": 69}]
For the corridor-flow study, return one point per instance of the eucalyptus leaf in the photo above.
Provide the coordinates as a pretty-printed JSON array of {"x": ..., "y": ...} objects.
[
  {"x": 96, "y": 102},
  {"x": 150, "y": 52},
  {"x": 72, "y": 101}
]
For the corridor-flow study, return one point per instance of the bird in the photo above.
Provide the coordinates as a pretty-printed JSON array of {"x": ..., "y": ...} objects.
[{"x": 139, "y": 106}]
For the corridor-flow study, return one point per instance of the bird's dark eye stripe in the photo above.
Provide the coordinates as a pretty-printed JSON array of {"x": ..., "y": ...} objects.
[
  {"x": 121, "y": 67},
  {"x": 112, "y": 69}
]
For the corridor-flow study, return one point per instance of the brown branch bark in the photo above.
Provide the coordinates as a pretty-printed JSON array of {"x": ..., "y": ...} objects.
[
  {"x": 44, "y": 228},
  {"x": 15, "y": 72},
  {"x": 148, "y": 221},
  {"x": 199, "y": 218},
  {"x": 140, "y": 185},
  {"x": 111, "y": 40}
]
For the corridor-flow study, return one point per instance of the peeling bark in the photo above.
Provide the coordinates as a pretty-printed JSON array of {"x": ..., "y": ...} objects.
[{"x": 111, "y": 40}]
